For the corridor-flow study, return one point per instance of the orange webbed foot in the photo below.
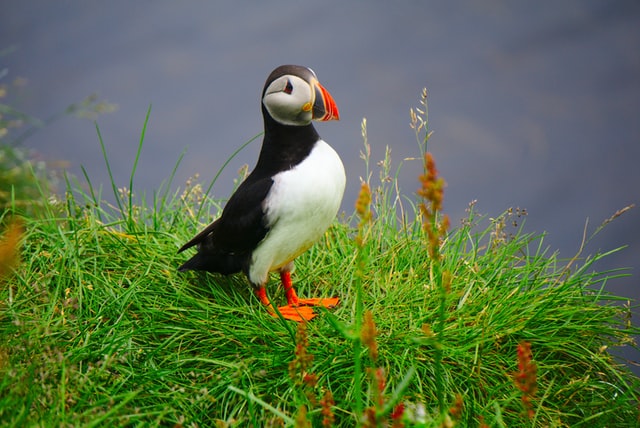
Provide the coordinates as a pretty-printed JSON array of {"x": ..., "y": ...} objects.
[
  {"x": 292, "y": 312},
  {"x": 297, "y": 309},
  {"x": 302, "y": 311},
  {"x": 296, "y": 313},
  {"x": 294, "y": 300}
]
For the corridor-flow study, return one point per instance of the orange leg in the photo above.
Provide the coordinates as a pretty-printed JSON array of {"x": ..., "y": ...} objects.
[
  {"x": 289, "y": 312},
  {"x": 297, "y": 309},
  {"x": 292, "y": 297}
]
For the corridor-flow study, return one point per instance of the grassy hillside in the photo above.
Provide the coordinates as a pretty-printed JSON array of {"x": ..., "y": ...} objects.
[{"x": 473, "y": 325}]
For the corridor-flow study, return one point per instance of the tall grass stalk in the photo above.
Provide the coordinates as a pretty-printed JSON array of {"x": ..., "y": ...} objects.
[{"x": 135, "y": 167}]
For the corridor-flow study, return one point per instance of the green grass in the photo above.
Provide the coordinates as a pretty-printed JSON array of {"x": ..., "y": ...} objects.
[{"x": 97, "y": 328}]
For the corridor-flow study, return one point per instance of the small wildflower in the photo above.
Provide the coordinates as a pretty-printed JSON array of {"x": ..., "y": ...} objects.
[
  {"x": 362, "y": 206},
  {"x": 432, "y": 186},
  {"x": 368, "y": 335},
  {"x": 310, "y": 379},
  {"x": 301, "y": 418},
  {"x": 300, "y": 365},
  {"x": 446, "y": 281},
  {"x": 326, "y": 403},
  {"x": 526, "y": 377},
  {"x": 427, "y": 331},
  {"x": 482, "y": 424},
  {"x": 369, "y": 418},
  {"x": 456, "y": 408},
  {"x": 380, "y": 383},
  {"x": 397, "y": 415},
  {"x": 10, "y": 247},
  {"x": 363, "y": 211},
  {"x": 302, "y": 359},
  {"x": 432, "y": 191}
]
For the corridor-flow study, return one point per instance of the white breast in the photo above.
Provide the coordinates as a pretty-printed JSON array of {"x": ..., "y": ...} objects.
[{"x": 302, "y": 204}]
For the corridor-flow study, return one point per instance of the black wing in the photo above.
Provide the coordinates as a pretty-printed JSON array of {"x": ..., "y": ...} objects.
[{"x": 225, "y": 244}]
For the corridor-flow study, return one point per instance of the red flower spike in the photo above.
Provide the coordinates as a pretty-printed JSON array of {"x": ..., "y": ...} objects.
[
  {"x": 368, "y": 335},
  {"x": 396, "y": 416},
  {"x": 327, "y": 402},
  {"x": 526, "y": 377}
]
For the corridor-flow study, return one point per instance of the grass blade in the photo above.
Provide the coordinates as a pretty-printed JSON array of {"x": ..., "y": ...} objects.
[
  {"x": 135, "y": 166},
  {"x": 114, "y": 187}
]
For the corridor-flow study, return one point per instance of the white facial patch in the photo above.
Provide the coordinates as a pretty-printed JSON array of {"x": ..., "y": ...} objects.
[{"x": 288, "y": 100}]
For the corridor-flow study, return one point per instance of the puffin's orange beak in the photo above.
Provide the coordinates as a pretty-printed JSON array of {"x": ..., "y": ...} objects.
[{"x": 324, "y": 107}]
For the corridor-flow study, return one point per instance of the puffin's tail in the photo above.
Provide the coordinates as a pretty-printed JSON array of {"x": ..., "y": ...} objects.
[
  {"x": 194, "y": 263},
  {"x": 225, "y": 264}
]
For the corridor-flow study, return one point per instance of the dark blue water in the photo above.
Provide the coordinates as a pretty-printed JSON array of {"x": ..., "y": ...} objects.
[{"x": 535, "y": 106}]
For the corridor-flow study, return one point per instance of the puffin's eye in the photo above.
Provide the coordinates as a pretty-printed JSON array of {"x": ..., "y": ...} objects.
[{"x": 288, "y": 89}]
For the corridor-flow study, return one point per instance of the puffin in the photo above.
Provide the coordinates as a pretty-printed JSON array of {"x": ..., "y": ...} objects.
[{"x": 287, "y": 202}]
